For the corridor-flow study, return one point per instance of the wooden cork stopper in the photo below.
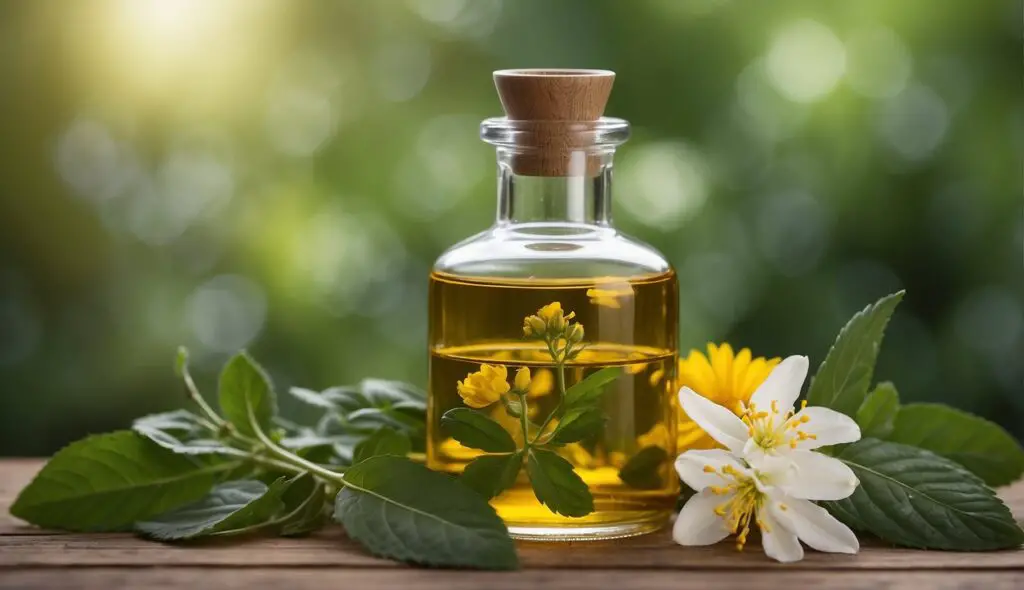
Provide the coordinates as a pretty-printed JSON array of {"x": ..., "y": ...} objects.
[{"x": 556, "y": 110}]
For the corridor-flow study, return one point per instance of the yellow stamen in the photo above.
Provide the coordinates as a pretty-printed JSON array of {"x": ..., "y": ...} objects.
[
  {"x": 709, "y": 469},
  {"x": 775, "y": 407}
]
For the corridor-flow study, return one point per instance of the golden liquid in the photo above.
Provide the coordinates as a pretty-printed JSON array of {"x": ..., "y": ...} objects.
[{"x": 480, "y": 321}]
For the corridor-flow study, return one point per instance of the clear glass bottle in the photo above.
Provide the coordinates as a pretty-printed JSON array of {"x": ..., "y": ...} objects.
[{"x": 553, "y": 241}]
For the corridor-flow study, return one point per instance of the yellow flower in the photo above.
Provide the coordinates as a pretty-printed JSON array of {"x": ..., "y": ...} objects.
[
  {"x": 484, "y": 387},
  {"x": 551, "y": 314},
  {"x": 541, "y": 383},
  {"x": 723, "y": 377},
  {"x": 610, "y": 297},
  {"x": 522, "y": 381}
]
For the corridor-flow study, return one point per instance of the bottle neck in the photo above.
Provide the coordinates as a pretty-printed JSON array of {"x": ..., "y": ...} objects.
[{"x": 575, "y": 199}]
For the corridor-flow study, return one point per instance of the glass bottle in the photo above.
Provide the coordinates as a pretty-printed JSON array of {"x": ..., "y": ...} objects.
[{"x": 553, "y": 241}]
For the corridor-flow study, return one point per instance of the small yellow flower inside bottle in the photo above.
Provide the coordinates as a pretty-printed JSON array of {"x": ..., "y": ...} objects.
[{"x": 551, "y": 294}]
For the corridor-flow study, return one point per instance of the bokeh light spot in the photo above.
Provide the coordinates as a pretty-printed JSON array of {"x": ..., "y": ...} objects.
[
  {"x": 226, "y": 313},
  {"x": 663, "y": 184},
  {"x": 402, "y": 70},
  {"x": 806, "y": 61},
  {"x": 878, "y": 63},
  {"x": 914, "y": 123}
]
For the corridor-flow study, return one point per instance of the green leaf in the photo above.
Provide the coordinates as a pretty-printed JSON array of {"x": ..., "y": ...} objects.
[
  {"x": 107, "y": 482},
  {"x": 372, "y": 404},
  {"x": 490, "y": 475},
  {"x": 589, "y": 390},
  {"x": 982, "y": 447},
  {"x": 242, "y": 379},
  {"x": 844, "y": 376},
  {"x": 477, "y": 431},
  {"x": 557, "y": 486},
  {"x": 878, "y": 412},
  {"x": 383, "y": 442},
  {"x": 402, "y": 510},
  {"x": 304, "y": 502},
  {"x": 578, "y": 424},
  {"x": 643, "y": 471},
  {"x": 232, "y": 508},
  {"x": 180, "y": 431},
  {"x": 312, "y": 398},
  {"x": 915, "y": 498}
]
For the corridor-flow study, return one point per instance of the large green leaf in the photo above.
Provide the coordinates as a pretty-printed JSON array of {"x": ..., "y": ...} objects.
[
  {"x": 877, "y": 414},
  {"x": 557, "y": 486},
  {"x": 843, "y": 379},
  {"x": 109, "y": 481},
  {"x": 644, "y": 470},
  {"x": 981, "y": 446},
  {"x": 243, "y": 381},
  {"x": 490, "y": 475},
  {"x": 915, "y": 498},
  {"x": 232, "y": 508},
  {"x": 477, "y": 431},
  {"x": 589, "y": 390},
  {"x": 383, "y": 442},
  {"x": 402, "y": 510},
  {"x": 578, "y": 424}
]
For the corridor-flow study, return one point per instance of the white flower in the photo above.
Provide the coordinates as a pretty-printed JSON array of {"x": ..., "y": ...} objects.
[
  {"x": 769, "y": 429},
  {"x": 731, "y": 497}
]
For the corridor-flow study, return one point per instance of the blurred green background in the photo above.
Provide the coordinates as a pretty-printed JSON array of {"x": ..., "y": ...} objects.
[{"x": 280, "y": 176}]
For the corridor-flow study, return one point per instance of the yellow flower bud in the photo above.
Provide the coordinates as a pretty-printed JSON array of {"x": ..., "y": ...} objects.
[
  {"x": 533, "y": 326},
  {"x": 575, "y": 333},
  {"x": 484, "y": 387},
  {"x": 522, "y": 381}
]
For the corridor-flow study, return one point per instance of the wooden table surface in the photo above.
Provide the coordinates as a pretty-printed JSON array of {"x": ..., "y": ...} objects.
[{"x": 30, "y": 557}]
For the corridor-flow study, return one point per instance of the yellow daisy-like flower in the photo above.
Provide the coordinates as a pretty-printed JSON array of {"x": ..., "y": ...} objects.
[
  {"x": 723, "y": 377},
  {"x": 484, "y": 387}
]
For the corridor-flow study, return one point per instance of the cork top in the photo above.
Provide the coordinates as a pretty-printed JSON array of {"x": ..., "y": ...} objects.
[
  {"x": 555, "y": 119},
  {"x": 554, "y": 95}
]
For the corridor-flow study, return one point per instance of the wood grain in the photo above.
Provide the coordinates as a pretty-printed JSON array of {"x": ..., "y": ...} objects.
[
  {"x": 31, "y": 557},
  {"x": 407, "y": 578}
]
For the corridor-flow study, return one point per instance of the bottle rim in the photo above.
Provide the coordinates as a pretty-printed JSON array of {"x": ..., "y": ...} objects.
[{"x": 522, "y": 134}]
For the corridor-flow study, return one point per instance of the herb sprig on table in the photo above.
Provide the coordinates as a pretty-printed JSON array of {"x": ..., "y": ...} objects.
[
  {"x": 187, "y": 475},
  {"x": 925, "y": 470}
]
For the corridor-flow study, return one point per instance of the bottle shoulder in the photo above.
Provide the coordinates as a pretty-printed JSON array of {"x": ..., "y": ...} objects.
[{"x": 552, "y": 251}]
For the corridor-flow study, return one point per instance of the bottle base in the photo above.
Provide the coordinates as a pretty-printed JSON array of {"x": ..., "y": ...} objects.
[{"x": 627, "y": 526}]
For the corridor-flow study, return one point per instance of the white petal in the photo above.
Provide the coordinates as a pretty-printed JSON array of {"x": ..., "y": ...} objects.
[
  {"x": 720, "y": 423},
  {"x": 690, "y": 467},
  {"x": 778, "y": 541},
  {"x": 697, "y": 523},
  {"x": 829, "y": 426},
  {"x": 782, "y": 385},
  {"x": 813, "y": 476},
  {"x": 814, "y": 526},
  {"x": 773, "y": 461}
]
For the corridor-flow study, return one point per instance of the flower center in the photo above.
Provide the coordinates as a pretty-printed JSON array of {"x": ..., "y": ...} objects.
[
  {"x": 743, "y": 504},
  {"x": 767, "y": 434}
]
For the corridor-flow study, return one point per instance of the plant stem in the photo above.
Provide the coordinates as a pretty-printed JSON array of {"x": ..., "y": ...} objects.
[
  {"x": 193, "y": 393},
  {"x": 289, "y": 457},
  {"x": 523, "y": 420},
  {"x": 560, "y": 378}
]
